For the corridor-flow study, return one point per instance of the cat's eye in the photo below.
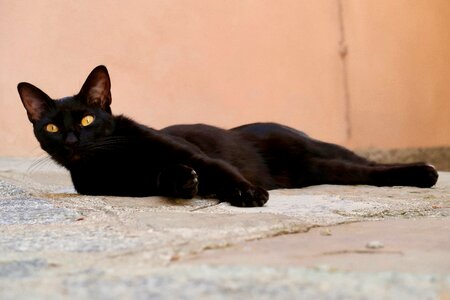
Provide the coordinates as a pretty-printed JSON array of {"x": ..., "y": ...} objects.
[
  {"x": 51, "y": 128},
  {"x": 87, "y": 120}
]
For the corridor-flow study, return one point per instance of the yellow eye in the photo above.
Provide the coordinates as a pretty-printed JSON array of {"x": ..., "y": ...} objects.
[
  {"x": 87, "y": 120},
  {"x": 51, "y": 128}
]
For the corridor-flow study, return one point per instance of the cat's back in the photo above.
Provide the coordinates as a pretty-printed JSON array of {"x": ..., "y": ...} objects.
[{"x": 209, "y": 139}]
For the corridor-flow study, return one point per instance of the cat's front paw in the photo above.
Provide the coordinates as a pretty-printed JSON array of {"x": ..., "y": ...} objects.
[
  {"x": 178, "y": 181},
  {"x": 250, "y": 196}
]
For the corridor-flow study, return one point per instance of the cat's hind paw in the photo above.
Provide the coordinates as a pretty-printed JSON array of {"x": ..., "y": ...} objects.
[
  {"x": 419, "y": 175},
  {"x": 423, "y": 175}
]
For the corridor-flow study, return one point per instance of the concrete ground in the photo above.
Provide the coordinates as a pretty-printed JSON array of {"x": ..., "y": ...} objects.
[{"x": 321, "y": 242}]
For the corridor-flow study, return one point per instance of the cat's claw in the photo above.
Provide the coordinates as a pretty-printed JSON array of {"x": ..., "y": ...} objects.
[
  {"x": 248, "y": 197},
  {"x": 188, "y": 187}
]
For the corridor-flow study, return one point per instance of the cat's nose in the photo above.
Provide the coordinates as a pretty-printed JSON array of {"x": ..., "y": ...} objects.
[{"x": 71, "y": 139}]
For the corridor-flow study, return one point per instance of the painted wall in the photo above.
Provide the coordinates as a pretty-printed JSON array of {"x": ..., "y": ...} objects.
[{"x": 359, "y": 73}]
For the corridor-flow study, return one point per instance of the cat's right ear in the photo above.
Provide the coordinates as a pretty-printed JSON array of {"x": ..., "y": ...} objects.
[{"x": 35, "y": 101}]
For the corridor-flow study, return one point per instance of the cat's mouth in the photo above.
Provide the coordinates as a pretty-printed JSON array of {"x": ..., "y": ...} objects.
[{"x": 73, "y": 155}]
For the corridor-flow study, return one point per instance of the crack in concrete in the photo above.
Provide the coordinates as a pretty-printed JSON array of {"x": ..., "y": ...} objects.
[
  {"x": 345, "y": 251},
  {"x": 276, "y": 233},
  {"x": 204, "y": 207}
]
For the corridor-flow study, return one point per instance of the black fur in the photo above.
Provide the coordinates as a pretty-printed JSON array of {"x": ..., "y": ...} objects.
[{"x": 117, "y": 156}]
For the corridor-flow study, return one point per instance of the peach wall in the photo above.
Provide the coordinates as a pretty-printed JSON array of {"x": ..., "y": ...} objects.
[
  {"x": 399, "y": 72},
  {"x": 231, "y": 62}
]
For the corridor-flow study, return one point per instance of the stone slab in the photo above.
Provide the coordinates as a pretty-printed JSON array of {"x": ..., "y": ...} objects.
[{"x": 54, "y": 242}]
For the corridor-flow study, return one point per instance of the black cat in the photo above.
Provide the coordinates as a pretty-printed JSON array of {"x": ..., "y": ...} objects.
[{"x": 113, "y": 155}]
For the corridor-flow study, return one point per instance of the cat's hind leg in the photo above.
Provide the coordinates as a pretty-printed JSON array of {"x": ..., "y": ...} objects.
[
  {"x": 277, "y": 140},
  {"x": 323, "y": 171}
]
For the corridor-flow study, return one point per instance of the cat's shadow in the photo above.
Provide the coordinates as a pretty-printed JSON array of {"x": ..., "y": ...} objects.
[{"x": 133, "y": 202}]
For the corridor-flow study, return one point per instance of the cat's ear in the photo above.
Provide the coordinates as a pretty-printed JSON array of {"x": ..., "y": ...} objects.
[
  {"x": 35, "y": 101},
  {"x": 96, "y": 90}
]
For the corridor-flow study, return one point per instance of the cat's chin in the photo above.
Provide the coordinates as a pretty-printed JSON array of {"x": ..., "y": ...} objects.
[
  {"x": 71, "y": 158},
  {"x": 75, "y": 157}
]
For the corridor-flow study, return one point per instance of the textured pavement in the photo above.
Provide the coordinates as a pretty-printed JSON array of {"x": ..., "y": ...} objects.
[{"x": 57, "y": 244}]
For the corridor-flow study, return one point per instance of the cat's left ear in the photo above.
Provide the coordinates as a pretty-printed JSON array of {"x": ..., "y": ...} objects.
[{"x": 96, "y": 90}]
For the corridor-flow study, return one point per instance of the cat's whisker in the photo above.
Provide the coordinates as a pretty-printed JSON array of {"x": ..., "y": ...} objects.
[
  {"x": 35, "y": 164},
  {"x": 106, "y": 144},
  {"x": 103, "y": 146},
  {"x": 38, "y": 163}
]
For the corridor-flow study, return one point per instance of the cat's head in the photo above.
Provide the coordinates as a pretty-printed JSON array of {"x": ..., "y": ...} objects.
[{"x": 67, "y": 127}]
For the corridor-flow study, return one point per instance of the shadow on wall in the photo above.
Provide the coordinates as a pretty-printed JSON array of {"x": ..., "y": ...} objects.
[{"x": 437, "y": 156}]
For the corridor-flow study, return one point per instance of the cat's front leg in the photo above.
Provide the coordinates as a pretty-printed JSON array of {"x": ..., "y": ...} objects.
[
  {"x": 178, "y": 181},
  {"x": 219, "y": 178}
]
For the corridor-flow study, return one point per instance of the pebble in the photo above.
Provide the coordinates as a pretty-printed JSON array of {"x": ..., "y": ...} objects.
[
  {"x": 374, "y": 245},
  {"x": 325, "y": 232}
]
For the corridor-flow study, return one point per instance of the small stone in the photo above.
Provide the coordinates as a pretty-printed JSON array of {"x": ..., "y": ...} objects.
[
  {"x": 325, "y": 232},
  {"x": 325, "y": 268},
  {"x": 175, "y": 257},
  {"x": 374, "y": 245}
]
